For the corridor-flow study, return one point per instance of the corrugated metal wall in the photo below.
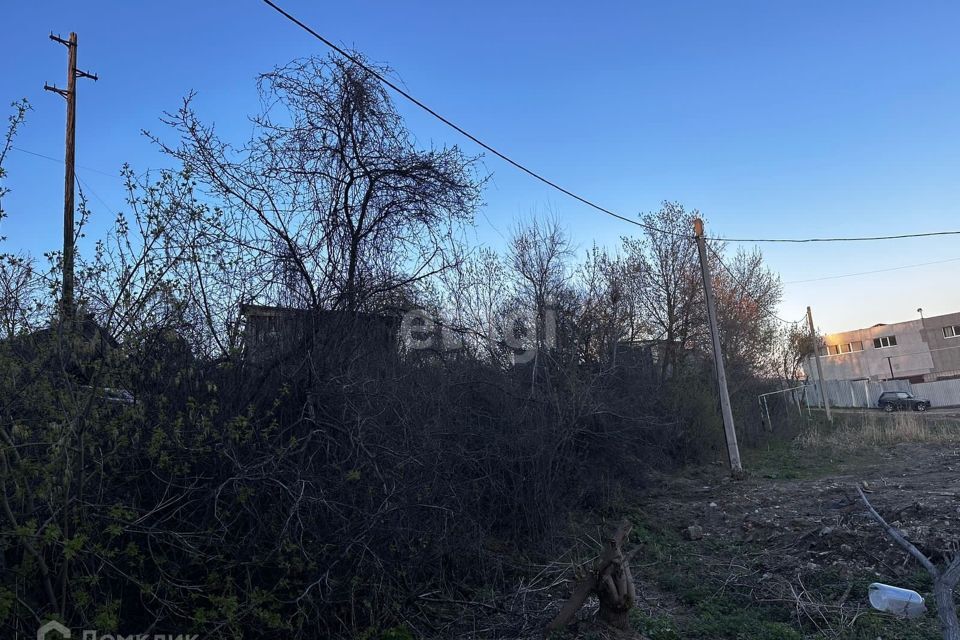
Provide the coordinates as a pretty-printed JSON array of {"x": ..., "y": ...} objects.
[
  {"x": 941, "y": 394},
  {"x": 864, "y": 394}
]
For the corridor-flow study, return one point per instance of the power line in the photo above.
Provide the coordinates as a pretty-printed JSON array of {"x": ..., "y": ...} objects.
[
  {"x": 79, "y": 179},
  {"x": 60, "y": 160},
  {"x": 861, "y": 239},
  {"x": 360, "y": 63},
  {"x": 376, "y": 74},
  {"x": 864, "y": 273},
  {"x": 84, "y": 183}
]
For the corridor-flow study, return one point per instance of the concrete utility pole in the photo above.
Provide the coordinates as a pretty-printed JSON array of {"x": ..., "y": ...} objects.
[
  {"x": 70, "y": 93},
  {"x": 816, "y": 355},
  {"x": 729, "y": 431}
]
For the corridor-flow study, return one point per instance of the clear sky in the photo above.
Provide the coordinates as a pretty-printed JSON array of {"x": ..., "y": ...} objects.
[{"x": 774, "y": 119}]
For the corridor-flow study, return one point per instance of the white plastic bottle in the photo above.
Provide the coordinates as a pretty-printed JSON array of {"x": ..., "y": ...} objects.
[{"x": 899, "y": 602}]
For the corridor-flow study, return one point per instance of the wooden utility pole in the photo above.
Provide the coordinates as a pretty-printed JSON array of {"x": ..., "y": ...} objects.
[
  {"x": 70, "y": 93},
  {"x": 816, "y": 356},
  {"x": 730, "y": 432}
]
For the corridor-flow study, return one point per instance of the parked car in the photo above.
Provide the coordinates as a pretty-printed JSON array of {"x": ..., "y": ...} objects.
[{"x": 893, "y": 400}]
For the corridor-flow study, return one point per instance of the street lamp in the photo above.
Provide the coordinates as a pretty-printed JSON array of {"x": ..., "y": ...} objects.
[{"x": 920, "y": 311}]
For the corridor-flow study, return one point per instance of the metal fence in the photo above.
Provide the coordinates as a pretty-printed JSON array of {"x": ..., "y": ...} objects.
[
  {"x": 864, "y": 393},
  {"x": 944, "y": 393}
]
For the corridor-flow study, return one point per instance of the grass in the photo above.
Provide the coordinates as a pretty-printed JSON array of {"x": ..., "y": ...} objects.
[
  {"x": 714, "y": 610},
  {"x": 852, "y": 431},
  {"x": 782, "y": 460},
  {"x": 822, "y": 449}
]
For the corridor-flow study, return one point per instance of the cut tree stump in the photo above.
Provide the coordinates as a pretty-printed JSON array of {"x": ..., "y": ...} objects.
[{"x": 610, "y": 580}]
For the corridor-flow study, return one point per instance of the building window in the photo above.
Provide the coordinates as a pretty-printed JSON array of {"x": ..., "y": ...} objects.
[
  {"x": 952, "y": 331},
  {"x": 837, "y": 349},
  {"x": 884, "y": 342}
]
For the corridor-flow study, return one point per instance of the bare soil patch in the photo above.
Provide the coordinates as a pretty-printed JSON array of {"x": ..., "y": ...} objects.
[{"x": 791, "y": 548}]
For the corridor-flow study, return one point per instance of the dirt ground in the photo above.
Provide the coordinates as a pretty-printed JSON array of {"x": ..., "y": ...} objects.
[
  {"x": 786, "y": 554},
  {"x": 790, "y": 552}
]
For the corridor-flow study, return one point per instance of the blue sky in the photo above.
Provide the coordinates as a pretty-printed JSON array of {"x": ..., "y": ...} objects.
[{"x": 772, "y": 118}]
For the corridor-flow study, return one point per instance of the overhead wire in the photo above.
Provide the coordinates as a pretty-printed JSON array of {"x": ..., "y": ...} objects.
[
  {"x": 902, "y": 236},
  {"x": 60, "y": 160},
  {"x": 392, "y": 85},
  {"x": 534, "y": 174},
  {"x": 864, "y": 273},
  {"x": 83, "y": 183}
]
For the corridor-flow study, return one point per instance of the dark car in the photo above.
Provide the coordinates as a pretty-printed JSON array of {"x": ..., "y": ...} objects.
[{"x": 892, "y": 400}]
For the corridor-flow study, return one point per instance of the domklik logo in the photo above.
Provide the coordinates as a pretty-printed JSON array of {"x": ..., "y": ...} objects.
[
  {"x": 53, "y": 630},
  {"x": 46, "y": 632}
]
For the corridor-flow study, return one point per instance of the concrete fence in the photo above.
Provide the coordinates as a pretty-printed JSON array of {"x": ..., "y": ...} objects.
[{"x": 864, "y": 393}]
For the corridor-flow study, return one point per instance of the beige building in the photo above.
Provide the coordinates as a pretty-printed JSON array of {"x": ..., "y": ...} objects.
[
  {"x": 922, "y": 350},
  {"x": 943, "y": 338}
]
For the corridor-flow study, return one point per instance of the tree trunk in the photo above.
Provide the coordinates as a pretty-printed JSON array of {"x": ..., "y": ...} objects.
[
  {"x": 610, "y": 579},
  {"x": 617, "y": 595},
  {"x": 616, "y": 618},
  {"x": 946, "y": 609}
]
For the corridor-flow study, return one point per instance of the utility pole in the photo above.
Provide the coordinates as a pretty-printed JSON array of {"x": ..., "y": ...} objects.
[
  {"x": 70, "y": 93},
  {"x": 816, "y": 355},
  {"x": 730, "y": 433}
]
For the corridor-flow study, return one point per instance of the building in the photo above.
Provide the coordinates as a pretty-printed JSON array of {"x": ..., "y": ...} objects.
[
  {"x": 283, "y": 334},
  {"x": 943, "y": 338},
  {"x": 81, "y": 358},
  {"x": 655, "y": 360},
  {"x": 84, "y": 354},
  {"x": 922, "y": 350}
]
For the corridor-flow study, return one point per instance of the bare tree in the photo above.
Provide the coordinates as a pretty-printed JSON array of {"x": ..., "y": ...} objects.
[
  {"x": 14, "y": 123},
  {"x": 330, "y": 191},
  {"x": 20, "y": 285},
  {"x": 539, "y": 252},
  {"x": 665, "y": 267},
  {"x": 478, "y": 302},
  {"x": 607, "y": 314},
  {"x": 746, "y": 298},
  {"x": 21, "y": 292}
]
